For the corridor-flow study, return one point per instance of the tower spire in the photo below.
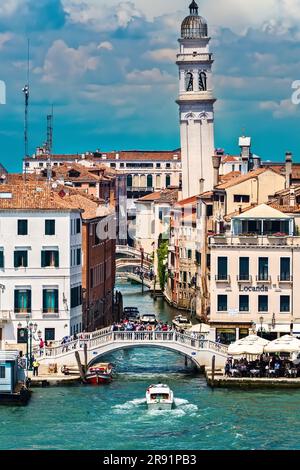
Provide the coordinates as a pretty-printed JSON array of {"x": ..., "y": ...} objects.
[{"x": 194, "y": 8}]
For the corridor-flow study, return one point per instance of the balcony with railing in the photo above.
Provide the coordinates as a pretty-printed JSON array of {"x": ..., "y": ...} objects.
[
  {"x": 244, "y": 278},
  {"x": 263, "y": 278},
  {"x": 223, "y": 278},
  {"x": 285, "y": 278},
  {"x": 258, "y": 241}
]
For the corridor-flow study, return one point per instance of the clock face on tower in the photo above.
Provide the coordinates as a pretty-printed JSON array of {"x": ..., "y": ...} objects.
[{"x": 202, "y": 81}]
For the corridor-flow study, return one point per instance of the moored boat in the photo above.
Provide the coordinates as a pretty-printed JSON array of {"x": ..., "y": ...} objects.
[
  {"x": 149, "y": 318},
  {"x": 181, "y": 323},
  {"x": 99, "y": 374},
  {"x": 159, "y": 397}
]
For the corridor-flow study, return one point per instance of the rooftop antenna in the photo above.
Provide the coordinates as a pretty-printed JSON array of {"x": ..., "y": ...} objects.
[
  {"x": 49, "y": 143},
  {"x": 25, "y": 90}
]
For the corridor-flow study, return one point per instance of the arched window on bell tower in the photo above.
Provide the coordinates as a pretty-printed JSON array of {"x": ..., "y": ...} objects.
[
  {"x": 202, "y": 81},
  {"x": 189, "y": 81}
]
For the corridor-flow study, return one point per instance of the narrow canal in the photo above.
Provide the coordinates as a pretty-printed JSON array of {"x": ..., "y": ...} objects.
[{"x": 116, "y": 417}]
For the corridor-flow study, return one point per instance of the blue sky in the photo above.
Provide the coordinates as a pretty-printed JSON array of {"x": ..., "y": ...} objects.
[{"x": 108, "y": 67}]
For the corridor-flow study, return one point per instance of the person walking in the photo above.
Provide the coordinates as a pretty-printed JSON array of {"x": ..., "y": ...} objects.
[
  {"x": 35, "y": 366},
  {"x": 41, "y": 345}
]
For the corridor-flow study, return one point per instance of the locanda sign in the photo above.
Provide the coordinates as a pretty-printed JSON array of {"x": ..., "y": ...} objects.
[{"x": 254, "y": 289}]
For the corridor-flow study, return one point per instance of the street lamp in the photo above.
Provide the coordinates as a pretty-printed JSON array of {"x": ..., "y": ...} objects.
[
  {"x": 261, "y": 319},
  {"x": 30, "y": 330}
]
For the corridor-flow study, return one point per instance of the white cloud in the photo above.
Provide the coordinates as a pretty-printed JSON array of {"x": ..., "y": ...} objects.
[
  {"x": 99, "y": 16},
  {"x": 62, "y": 61},
  {"x": 106, "y": 45},
  {"x": 4, "y": 38},
  {"x": 9, "y": 7},
  {"x": 162, "y": 55},
  {"x": 280, "y": 109},
  {"x": 149, "y": 76}
]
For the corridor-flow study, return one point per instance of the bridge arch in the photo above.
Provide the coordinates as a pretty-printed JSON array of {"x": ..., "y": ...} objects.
[{"x": 118, "y": 347}]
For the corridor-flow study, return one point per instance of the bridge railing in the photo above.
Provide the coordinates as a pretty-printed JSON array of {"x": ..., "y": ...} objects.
[{"x": 101, "y": 337}]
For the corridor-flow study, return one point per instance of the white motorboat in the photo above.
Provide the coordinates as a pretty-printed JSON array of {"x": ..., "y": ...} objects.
[
  {"x": 149, "y": 318},
  {"x": 182, "y": 323},
  {"x": 159, "y": 397}
]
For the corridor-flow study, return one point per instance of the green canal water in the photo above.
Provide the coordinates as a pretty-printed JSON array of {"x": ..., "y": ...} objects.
[{"x": 116, "y": 417}]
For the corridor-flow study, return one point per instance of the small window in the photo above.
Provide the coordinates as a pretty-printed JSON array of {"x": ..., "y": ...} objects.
[
  {"x": 158, "y": 165},
  {"x": 1, "y": 259},
  {"x": 22, "y": 227},
  {"x": 78, "y": 256},
  {"x": 78, "y": 226},
  {"x": 49, "y": 227},
  {"x": 168, "y": 165},
  {"x": 222, "y": 303},
  {"x": 285, "y": 304},
  {"x": 20, "y": 259},
  {"x": 2, "y": 372},
  {"x": 50, "y": 259},
  {"x": 49, "y": 334},
  {"x": 263, "y": 303},
  {"x": 50, "y": 301}
]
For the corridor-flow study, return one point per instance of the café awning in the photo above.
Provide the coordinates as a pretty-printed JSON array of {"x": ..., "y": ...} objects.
[
  {"x": 251, "y": 345},
  {"x": 287, "y": 344}
]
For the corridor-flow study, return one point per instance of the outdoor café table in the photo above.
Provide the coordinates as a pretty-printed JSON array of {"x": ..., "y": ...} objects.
[
  {"x": 234, "y": 372},
  {"x": 254, "y": 372},
  {"x": 270, "y": 372},
  {"x": 291, "y": 373}
]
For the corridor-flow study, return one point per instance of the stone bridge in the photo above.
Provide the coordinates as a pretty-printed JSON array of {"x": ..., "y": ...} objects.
[{"x": 103, "y": 342}]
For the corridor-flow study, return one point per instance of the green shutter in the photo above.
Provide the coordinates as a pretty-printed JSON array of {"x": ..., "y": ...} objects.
[
  {"x": 56, "y": 301},
  {"x": 16, "y": 300},
  {"x": 44, "y": 301},
  {"x": 16, "y": 265},
  {"x": 43, "y": 263},
  {"x": 28, "y": 300},
  {"x": 1, "y": 259},
  {"x": 57, "y": 259}
]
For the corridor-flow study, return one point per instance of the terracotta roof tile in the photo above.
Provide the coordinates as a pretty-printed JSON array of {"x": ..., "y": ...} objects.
[
  {"x": 242, "y": 178},
  {"x": 127, "y": 155}
]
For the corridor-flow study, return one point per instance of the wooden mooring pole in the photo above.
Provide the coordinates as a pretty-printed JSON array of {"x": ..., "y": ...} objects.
[
  {"x": 213, "y": 368},
  {"x": 81, "y": 371},
  {"x": 85, "y": 358}
]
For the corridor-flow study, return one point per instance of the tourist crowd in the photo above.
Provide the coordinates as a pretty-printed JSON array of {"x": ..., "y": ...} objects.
[{"x": 264, "y": 366}]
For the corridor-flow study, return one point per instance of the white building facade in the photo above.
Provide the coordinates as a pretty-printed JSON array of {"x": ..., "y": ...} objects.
[
  {"x": 196, "y": 105},
  {"x": 254, "y": 276},
  {"x": 40, "y": 274}
]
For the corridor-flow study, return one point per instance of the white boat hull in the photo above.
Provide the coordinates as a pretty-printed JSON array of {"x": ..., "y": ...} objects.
[{"x": 160, "y": 406}]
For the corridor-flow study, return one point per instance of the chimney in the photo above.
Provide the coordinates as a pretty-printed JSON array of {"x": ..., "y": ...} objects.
[
  {"x": 216, "y": 164},
  {"x": 292, "y": 197},
  {"x": 201, "y": 185},
  {"x": 288, "y": 169}
]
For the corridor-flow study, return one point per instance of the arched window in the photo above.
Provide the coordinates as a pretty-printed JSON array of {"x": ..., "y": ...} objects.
[
  {"x": 202, "y": 81},
  {"x": 168, "y": 181},
  {"x": 149, "y": 181},
  {"x": 189, "y": 81}
]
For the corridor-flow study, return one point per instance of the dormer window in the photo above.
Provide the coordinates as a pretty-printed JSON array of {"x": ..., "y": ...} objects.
[{"x": 73, "y": 174}]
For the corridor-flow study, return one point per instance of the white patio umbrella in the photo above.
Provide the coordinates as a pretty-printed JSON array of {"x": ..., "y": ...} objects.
[
  {"x": 286, "y": 344},
  {"x": 251, "y": 345},
  {"x": 199, "y": 328}
]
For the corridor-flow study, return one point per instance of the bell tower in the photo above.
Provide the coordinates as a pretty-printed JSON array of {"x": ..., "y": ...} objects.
[{"x": 196, "y": 105}]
